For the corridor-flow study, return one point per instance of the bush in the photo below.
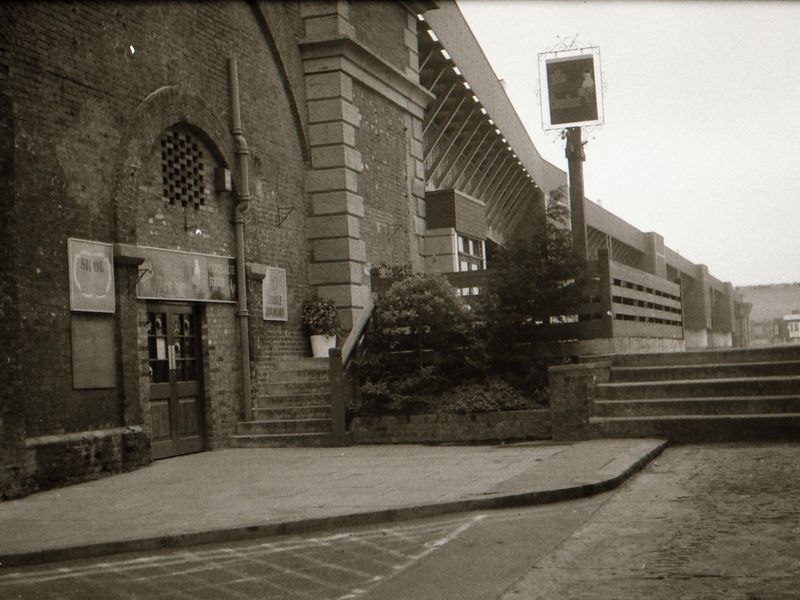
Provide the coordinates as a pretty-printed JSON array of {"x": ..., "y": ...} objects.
[
  {"x": 421, "y": 343},
  {"x": 491, "y": 395}
]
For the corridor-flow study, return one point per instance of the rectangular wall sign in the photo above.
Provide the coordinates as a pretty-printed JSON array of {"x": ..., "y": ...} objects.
[
  {"x": 570, "y": 88},
  {"x": 274, "y": 294},
  {"x": 91, "y": 276},
  {"x": 177, "y": 275}
]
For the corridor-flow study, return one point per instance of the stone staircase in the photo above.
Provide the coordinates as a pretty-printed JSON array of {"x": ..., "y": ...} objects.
[
  {"x": 296, "y": 410},
  {"x": 713, "y": 395}
]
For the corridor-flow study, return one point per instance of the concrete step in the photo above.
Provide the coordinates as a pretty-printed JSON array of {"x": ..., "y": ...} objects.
[
  {"x": 285, "y": 413},
  {"x": 312, "y": 375},
  {"x": 722, "y": 405},
  {"x": 302, "y": 363},
  {"x": 701, "y": 428},
  {"x": 281, "y": 441},
  {"x": 696, "y": 388},
  {"x": 283, "y": 388},
  {"x": 290, "y": 426},
  {"x": 705, "y": 371},
  {"x": 731, "y": 355},
  {"x": 296, "y": 399}
]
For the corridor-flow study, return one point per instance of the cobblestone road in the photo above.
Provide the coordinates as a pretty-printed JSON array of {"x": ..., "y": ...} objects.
[{"x": 701, "y": 522}]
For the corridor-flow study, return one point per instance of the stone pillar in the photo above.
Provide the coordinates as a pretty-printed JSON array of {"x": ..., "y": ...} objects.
[
  {"x": 416, "y": 187},
  {"x": 654, "y": 257},
  {"x": 697, "y": 319},
  {"x": 572, "y": 394},
  {"x": 325, "y": 18},
  {"x": 726, "y": 309},
  {"x": 697, "y": 305},
  {"x": 415, "y": 166},
  {"x": 132, "y": 346},
  {"x": 605, "y": 293},
  {"x": 338, "y": 253}
]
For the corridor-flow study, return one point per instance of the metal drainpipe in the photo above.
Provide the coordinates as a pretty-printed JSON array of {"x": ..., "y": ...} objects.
[{"x": 242, "y": 159}]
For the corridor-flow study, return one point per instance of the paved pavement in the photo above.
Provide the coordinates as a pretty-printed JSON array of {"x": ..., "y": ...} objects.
[{"x": 246, "y": 493}]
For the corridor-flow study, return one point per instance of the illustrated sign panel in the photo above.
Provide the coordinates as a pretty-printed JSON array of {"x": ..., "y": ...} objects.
[
  {"x": 176, "y": 275},
  {"x": 91, "y": 276},
  {"x": 274, "y": 295},
  {"x": 571, "y": 88}
]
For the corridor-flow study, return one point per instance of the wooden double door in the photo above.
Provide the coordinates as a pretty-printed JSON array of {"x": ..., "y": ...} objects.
[{"x": 176, "y": 390}]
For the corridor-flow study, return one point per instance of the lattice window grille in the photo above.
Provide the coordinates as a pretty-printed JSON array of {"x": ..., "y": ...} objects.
[{"x": 182, "y": 169}]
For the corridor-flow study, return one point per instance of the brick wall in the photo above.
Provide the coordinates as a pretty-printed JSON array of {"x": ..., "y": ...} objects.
[
  {"x": 222, "y": 374},
  {"x": 87, "y": 90},
  {"x": 511, "y": 425},
  {"x": 12, "y": 409},
  {"x": 380, "y": 27},
  {"x": 65, "y": 459},
  {"x": 382, "y": 142}
]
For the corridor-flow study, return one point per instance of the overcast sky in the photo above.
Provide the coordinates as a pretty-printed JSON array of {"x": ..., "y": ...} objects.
[{"x": 701, "y": 140}]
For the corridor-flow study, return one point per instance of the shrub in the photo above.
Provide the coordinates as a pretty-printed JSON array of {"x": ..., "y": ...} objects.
[
  {"x": 421, "y": 312},
  {"x": 320, "y": 316},
  {"x": 493, "y": 394},
  {"x": 419, "y": 344}
]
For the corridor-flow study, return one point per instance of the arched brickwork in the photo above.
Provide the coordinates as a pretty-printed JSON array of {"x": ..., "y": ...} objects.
[
  {"x": 163, "y": 108},
  {"x": 282, "y": 43}
]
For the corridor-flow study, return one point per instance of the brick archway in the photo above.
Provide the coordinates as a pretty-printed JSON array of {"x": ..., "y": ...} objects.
[
  {"x": 165, "y": 107},
  {"x": 162, "y": 109}
]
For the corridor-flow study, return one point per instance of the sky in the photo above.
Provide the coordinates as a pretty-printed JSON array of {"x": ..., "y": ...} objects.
[{"x": 701, "y": 140}]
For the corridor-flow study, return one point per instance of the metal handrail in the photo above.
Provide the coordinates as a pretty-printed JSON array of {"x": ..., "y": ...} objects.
[
  {"x": 356, "y": 333},
  {"x": 342, "y": 376}
]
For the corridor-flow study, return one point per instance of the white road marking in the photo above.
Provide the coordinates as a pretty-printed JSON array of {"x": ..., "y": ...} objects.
[
  {"x": 429, "y": 547},
  {"x": 370, "y": 557}
]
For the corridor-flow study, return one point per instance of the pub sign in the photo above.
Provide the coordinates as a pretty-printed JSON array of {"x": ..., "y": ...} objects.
[{"x": 570, "y": 88}]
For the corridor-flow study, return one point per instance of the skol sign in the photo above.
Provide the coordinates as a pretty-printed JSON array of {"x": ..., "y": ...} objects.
[{"x": 91, "y": 276}]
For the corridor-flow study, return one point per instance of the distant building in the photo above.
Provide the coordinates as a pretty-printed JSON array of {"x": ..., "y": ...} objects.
[
  {"x": 786, "y": 330},
  {"x": 770, "y": 304}
]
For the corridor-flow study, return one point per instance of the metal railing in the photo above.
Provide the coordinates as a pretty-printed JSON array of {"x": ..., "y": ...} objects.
[{"x": 343, "y": 374}]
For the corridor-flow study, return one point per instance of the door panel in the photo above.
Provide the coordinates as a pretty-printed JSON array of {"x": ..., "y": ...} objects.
[
  {"x": 159, "y": 416},
  {"x": 189, "y": 423},
  {"x": 176, "y": 407}
]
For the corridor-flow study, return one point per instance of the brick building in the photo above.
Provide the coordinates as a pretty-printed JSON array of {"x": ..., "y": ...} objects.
[
  {"x": 177, "y": 177},
  {"x": 163, "y": 162}
]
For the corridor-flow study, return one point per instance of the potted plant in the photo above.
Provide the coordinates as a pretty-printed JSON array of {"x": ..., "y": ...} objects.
[{"x": 322, "y": 322}]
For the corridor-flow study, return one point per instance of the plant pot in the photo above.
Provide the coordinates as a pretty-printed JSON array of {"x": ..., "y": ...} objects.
[{"x": 320, "y": 344}]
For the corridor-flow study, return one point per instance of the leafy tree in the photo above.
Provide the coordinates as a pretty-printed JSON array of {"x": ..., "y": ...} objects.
[{"x": 531, "y": 280}]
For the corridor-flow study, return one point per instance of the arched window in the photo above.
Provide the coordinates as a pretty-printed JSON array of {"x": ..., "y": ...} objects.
[{"x": 182, "y": 168}]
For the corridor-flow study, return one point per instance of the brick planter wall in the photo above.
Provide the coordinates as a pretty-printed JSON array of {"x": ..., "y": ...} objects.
[
  {"x": 57, "y": 460},
  {"x": 509, "y": 425},
  {"x": 572, "y": 389}
]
